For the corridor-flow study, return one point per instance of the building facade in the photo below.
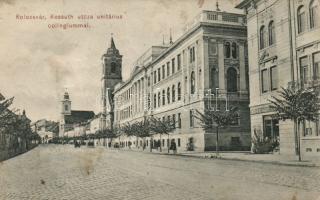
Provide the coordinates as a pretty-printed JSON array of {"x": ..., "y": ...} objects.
[
  {"x": 46, "y": 129},
  {"x": 206, "y": 68},
  {"x": 72, "y": 122},
  {"x": 284, "y": 50}
]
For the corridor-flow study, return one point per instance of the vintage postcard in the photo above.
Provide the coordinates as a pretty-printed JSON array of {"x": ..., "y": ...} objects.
[{"x": 160, "y": 99}]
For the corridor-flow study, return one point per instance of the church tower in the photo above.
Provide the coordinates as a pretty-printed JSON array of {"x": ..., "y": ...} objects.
[
  {"x": 111, "y": 75},
  {"x": 65, "y": 110}
]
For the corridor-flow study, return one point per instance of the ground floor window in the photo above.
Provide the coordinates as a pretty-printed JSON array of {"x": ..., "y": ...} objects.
[
  {"x": 271, "y": 128},
  {"x": 179, "y": 142},
  {"x": 309, "y": 128}
]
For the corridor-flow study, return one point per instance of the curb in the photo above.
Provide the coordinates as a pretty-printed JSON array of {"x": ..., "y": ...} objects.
[{"x": 233, "y": 159}]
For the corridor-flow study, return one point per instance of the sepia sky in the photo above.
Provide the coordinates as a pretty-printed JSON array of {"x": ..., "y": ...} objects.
[{"x": 38, "y": 63}]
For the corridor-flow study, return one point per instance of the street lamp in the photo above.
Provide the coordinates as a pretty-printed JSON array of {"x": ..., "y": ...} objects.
[{"x": 217, "y": 99}]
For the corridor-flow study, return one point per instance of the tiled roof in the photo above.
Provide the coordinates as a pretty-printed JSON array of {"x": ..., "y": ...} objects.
[{"x": 78, "y": 116}]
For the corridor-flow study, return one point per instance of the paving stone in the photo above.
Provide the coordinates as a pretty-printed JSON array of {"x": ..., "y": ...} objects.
[{"x": 63, "y": 172}]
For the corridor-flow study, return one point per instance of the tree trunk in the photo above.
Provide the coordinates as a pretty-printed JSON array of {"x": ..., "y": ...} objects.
[
  {"x": 168, "y": 144},
  {"x": 298, "y": 138},
  {"x": 160, "y": 144},
  {"x": 217, "y": 141},
  {"x": 295, "y": 136}
]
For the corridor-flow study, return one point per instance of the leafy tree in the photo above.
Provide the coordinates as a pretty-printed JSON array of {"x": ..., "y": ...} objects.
[
  {"x": 162, "y": 127},
  {"x": 142, "y": 129},
  {"x": 126, "y": 129},
  {"x": 211, "y": 119},
  {"x": 111, "y": 133},
  {"x": 298, "y": 105},
  {"x": 7, "y": 117}
]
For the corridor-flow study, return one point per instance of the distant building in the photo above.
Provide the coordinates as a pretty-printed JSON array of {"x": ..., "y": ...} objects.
[
  {"x": 45, "y": 129},
  {"x": 71, "y": 118},
  {"x": 94, "y": 124},
  {"x": 206, "y": 68},
  {"x": 284, "y": 50}
]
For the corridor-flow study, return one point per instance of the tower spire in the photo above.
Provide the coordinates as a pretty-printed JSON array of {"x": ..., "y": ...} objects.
[{"x": 112, "y": 45}]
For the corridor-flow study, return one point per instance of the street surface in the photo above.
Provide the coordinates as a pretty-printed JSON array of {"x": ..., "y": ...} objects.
[{"x": 63, "y": 172}]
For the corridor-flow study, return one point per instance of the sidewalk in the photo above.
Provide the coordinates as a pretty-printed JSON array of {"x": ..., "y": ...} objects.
[{"x": 276, "y": 158}]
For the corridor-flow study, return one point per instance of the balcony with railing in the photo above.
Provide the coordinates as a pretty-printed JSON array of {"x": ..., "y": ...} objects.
[{"x": 216, "y": 17}]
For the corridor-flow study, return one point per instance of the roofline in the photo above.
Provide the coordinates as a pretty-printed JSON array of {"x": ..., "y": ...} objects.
[
  {"x": 182, "y": 38},
  {"x": 243, "y": 4}
]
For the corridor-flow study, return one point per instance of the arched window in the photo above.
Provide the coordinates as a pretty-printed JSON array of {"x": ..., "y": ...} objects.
[
  {"x": 173, "y": 93},
  {"x": 314, "y": 13},
  {"x": 301, "y": 15},
  {"x": 168, "y": 95},
  {"x": 272, "y": 34},
  {"x": 262, "y": 37},
  {"x": 113, "y": 67},
  {"x": 192, "y": 83},
  {"x": 179, "y": 91},
  {"x": 227, "y": 50},
  {"x": 234, "y": 50},
  {"x": 232, "y": 85},
  {"x": 163, "y": 97}
]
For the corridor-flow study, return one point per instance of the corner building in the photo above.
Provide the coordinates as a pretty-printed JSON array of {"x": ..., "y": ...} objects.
[
  {"x": 206, "y": 68},
  {"x": 284, "y": 50}
]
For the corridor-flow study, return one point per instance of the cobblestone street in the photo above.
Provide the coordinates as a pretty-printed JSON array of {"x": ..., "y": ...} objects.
[{"x": 63, "y": 172}]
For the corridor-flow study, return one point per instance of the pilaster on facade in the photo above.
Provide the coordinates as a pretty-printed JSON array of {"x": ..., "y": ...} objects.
[{"x": 221, "y": 65}]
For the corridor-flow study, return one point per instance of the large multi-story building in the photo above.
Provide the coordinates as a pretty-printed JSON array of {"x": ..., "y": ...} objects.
[
  {"x": 206, "y": 68},
  {"x": 284, "y": 50}
]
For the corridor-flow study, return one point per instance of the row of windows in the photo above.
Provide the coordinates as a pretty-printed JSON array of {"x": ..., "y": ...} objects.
[
  {"x": 160, "y": 73},
  {"x": 264, "y": 41},
  {"x": 170, "y": 94},
  {"x": 125, "y": 113},
  {"x": 170, "y": 68},
  {"x": 135, "y": 89},
  {"x": 153, "y": 143},
  {"x": 310, "y": 67},
  {"x": 313, "y": 16},
  {"x": 176, "y": 121}
]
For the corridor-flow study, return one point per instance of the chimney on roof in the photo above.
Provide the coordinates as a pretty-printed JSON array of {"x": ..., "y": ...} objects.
[
  {"x": 217, "y": 6},
  {"x": 170, "y": 37},
  {"x": 162, "y": 39}
]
